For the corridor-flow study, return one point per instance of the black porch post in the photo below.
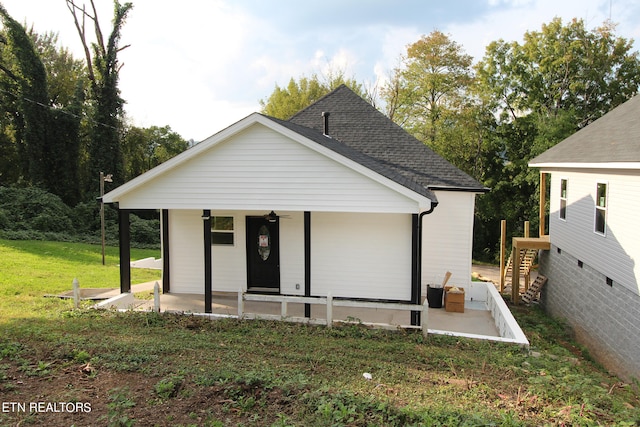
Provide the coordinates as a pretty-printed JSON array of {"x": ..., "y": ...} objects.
[
  {"x": 307, "y": 261},
  {"x": 125, "y": 250},
  {"x": 416, "y": 296},
  {"x": 206, "y": 228},
  {"x": 166, "y": 277}
]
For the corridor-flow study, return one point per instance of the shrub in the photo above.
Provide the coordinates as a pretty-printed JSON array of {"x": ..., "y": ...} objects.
[
  {"x": 31, "y": 213},
  {"x": 32, "y": 208},
  {"x": 145, "y": 231}
]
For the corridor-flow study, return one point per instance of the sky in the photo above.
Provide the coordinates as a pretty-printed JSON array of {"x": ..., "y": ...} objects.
[{"x": 199, "y": 66}]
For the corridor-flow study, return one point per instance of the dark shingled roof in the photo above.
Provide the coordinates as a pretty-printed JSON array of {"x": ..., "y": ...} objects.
[
  {"x": 356, "y": 156},
  {"x": 613, "y": 138},
  {"x": 362, "y": 133}
]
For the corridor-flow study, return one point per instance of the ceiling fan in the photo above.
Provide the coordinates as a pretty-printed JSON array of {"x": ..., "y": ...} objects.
[{"x": 272, "y": 216}]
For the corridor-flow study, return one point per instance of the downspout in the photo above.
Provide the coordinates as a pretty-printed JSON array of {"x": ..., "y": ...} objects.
[{"x": 415, "y": 315}]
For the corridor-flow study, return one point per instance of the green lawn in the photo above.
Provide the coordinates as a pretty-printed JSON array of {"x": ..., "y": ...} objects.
[
  {"x": 31, "y": 269},
  {"x": 160, "y": 369}
]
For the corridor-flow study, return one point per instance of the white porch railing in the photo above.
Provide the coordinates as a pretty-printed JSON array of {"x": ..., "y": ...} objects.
[
  {"x": 330, "y": 303},
  {"x": 507, "y": 326}
]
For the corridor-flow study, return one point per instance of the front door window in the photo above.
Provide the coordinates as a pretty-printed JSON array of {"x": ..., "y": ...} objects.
[{"x": 264, "y": 243}]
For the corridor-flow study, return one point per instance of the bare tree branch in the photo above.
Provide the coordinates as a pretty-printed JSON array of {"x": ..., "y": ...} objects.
[
  {"x": 81, "y": 32},
  {"x": 99, "y": 38}
]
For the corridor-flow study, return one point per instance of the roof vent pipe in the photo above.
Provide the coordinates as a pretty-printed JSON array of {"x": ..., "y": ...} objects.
[{"x": 325, "y": 130}]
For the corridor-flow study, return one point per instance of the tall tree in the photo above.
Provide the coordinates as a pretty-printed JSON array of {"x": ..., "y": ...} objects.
[
  {"x": 105, "y": 150},
  {"x": 28, "y": 72},
  {"x": 560, "y": 68},
  {"x": 65, "y": 74},
  {"x": 146, "y": 148},
  {"x": 559, "y": 80},
  {"x": 430, "y": 86},
  {"x": 285, "y": 102},
  {"x": 44, "y": 131}
]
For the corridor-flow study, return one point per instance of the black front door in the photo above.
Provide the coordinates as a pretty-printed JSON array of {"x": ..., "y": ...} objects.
[{"x": 263, "y": 254}]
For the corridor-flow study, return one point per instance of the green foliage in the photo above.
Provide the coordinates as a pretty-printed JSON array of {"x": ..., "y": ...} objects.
[
  {"x": 28, "y": 72},
  {"x": 64, "y": 72},
  {"x": 563, "y": 67},
  {"x": 145, "y": 231},
  {"x": 104, "y": 146},
  {"x": 33, "y": 209},
  {"x": 119, "y": 402},
  {"x": 559, "y": 80},
  {"x": 43, "y": 142},
  {"x": 167, "y": 388},
  {"x": 429, "y": 88},
  {"x": 285, "y": 102},
  {"x": 32, "y": 213},
  {"x": 146, "y": 148}
]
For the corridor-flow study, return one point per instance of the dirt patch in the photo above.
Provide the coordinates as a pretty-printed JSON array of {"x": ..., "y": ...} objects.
[{"x": 81, "y": 397}]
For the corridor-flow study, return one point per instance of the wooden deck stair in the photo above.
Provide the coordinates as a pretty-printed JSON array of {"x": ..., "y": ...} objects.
[
  {"x": 527, "y": 257},
  {"x": 534, "y": 289}
]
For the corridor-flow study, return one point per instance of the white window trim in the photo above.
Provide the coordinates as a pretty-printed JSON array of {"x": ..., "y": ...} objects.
[
  {"x": 566, "y": 202},
  {"x": 605, "y": 209}
]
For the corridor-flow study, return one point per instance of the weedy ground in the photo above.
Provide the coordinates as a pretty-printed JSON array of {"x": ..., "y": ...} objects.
[{"x": 163, "y": 369}]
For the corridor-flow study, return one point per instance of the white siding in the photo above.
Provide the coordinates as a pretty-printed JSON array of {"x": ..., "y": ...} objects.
[
  {"x": 448, "y": 240},
  {"x": 361, "y": 255},
  {"x": 186, "y": 261},
  {"x": 260, "y": 169},
  {"x": 353, "y": 255},
  {"x": 291, "y": 253},
  {"x": 615, "y": 255},
  {"x": 229, "y": 263}
]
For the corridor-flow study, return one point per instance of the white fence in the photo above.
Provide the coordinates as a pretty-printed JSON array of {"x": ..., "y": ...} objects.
[
  {"x": 330, "y": 303},
  {"x": 508, "y": 328}
]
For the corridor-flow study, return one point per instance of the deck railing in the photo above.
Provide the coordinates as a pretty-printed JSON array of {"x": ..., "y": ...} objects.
[
  {"x": 330, "y": 303},
  {"x": 507, "y": 326}
]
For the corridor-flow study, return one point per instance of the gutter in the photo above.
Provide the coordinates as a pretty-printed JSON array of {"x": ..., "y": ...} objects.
[
  {"x": 417, "y": 293},
  {"x": 420, "y": 243}
]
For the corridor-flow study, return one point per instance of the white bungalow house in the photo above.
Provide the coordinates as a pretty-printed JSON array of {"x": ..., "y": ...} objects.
[
  {"x": 593, "y": 266},
  {"x": 336, "y": 199}
]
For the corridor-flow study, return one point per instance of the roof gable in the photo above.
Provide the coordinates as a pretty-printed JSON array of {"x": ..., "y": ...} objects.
[
  {"x": 357, "y": 124},
  {"x": 362, "y": 139},
  {"x": 613, "y": 139},
  {"x": 257, "y": 162}
]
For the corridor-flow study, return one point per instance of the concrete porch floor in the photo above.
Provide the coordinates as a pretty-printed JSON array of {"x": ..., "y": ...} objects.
[{"x": 476, "y": 319}]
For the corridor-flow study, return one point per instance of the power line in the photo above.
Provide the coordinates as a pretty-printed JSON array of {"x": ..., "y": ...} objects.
[{"x": 68, "y": 113}]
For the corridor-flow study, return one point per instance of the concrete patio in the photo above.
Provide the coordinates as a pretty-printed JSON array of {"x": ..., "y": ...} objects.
[
  {"x": 485, "y": 315},
  {"x": 476, "y": 319},
  {"x": 488, "y": 319}
]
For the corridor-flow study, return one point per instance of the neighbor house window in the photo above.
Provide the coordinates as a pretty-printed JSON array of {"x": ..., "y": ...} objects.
[
  {"x": 222, "y": 230},
  {"x": 601, "y": 208},
  {"x": 563, "y": 199}
]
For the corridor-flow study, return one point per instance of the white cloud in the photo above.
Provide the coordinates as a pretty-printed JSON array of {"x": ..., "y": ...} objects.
[
  {"x": 510, "y": 24},
  {"x": 200, "y": 65}
]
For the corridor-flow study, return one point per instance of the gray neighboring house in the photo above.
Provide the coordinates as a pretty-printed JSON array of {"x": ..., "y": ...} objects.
[{"x": 593, "y": 266}]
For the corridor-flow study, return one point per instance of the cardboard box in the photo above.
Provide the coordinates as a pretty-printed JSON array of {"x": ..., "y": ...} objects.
[{"x": 453, "y": 301}]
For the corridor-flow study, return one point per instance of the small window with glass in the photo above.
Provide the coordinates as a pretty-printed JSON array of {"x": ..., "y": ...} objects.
[
  {"x": 563, "y": 199},
  {"x": 601, "y": 208},
  {"x": 222, "y": 231}
]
